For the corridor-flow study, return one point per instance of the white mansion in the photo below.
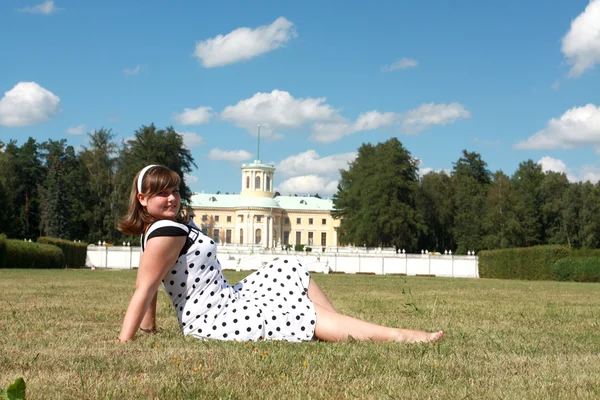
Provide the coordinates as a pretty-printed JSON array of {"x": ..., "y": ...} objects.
[{"x": 256, "y": 217}]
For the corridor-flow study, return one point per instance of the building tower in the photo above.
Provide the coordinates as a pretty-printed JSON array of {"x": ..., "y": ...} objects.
[{"x": 257, "y": 178}]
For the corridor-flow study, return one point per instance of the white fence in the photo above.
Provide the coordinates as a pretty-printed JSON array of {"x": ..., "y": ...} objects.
[{"x": 346, "y": 260}]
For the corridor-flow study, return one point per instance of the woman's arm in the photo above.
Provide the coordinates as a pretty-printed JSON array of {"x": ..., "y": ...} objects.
[
  {"x": 160, "y": 255},
  {"x": 149, "y": 320}
]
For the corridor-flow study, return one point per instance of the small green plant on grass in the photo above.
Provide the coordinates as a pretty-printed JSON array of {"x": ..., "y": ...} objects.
[{"x": 16, "y": 391}]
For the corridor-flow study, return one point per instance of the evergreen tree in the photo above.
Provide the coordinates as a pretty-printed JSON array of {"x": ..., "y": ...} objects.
[
  {"x": 151, "y": 146},
  {"x": 552, "y": 190},
  {"x": 63, "y": 192},
  {"x": 500, "y": 222},
  {"x": 24, "y": 172},
  {"x": 527, "y": 180},
  {"x": 376, "y": 198},
  {"x": 471, "y": 180},
  {"x": 99, "y": 160},
  {"x": 435, "y": 201}
]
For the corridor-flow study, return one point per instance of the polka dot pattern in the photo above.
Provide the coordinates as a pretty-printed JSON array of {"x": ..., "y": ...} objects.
[{"x": 271, "y": 303}]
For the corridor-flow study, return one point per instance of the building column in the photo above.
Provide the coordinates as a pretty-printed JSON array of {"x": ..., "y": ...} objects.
[
  {"x": 266, "y": 232},
  {"x": 246, "y": 241},
  {"x": 252, "y": 236},
  {"x": 334, "y": 237}
]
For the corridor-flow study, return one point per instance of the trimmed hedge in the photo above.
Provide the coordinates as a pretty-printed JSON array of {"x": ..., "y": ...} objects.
[
  {"x": 75, "y": 253},
  {"x": 20, "y": 254},
  {"x": 578, "y": 269},
  {"x": 529, "y": 263},
  {"x": 2, "y": 249}
]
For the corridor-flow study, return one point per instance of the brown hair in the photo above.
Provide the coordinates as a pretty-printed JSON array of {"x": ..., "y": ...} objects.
[{"x": 155, "y": 179}]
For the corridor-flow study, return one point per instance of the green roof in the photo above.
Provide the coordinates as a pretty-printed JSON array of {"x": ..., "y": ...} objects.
[{"x": 296, "y": 203}]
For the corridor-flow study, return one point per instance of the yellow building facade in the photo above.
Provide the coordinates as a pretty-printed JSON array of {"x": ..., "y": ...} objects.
[{"x": 256, "y": 217}]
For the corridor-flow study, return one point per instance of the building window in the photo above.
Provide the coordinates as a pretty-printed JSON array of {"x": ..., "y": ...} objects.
[
  {"x": 216, "y": 218},
  {"x": 241, "y": 218},
  {"x": 229, "y": 218},
  {"x": 286, "y": 221},
  {"x": 268, "y": 184},
  {"x": 258, "y": 218},
  {"x": 310, "y": 238},
  {"x": 258, "y": 236},
  {"x": 298, "y": 237},
  {"x": 323, "y": 238},
  {"x": 228, "y": 236},
  {"x": 257, "y": 182},
  {"x": 298, "y": 220},
  {"x": 310, "y": 221},
  {"x": 216, "y": 235},
  {"x": 324, "y": 221},
  {"x": 247, "y": 182},
  {"x": 286, "y": 237},
  {"x": 241, "y": 236},
  {"x": 204, "y": 218}
]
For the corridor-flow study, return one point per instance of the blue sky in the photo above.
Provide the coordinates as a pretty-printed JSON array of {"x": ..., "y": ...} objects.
[{"x": 512, "y": 80}]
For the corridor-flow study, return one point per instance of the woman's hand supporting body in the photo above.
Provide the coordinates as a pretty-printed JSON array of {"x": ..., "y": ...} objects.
[{"x": 158, "y": 257}]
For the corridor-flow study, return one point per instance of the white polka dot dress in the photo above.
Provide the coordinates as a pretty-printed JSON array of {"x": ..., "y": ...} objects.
[{"x": 271, "y": 303}]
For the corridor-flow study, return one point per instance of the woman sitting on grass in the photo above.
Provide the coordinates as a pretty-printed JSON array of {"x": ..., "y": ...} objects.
[{"x": 280, "y": 301}]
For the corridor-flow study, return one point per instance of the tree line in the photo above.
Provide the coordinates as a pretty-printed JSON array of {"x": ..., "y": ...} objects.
[
  {"x": 382, "y": 201},
  {"x": 49, "y": 189}
]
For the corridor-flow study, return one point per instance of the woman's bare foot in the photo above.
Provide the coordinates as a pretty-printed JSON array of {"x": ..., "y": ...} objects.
[{"x": 409, "y": 336}]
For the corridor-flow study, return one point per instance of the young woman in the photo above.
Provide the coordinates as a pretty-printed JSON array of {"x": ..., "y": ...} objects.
[{"x": 280, "y": 301}]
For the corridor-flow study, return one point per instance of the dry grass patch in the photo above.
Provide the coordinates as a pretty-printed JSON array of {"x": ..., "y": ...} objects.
[{"x": 504, "y": 339}]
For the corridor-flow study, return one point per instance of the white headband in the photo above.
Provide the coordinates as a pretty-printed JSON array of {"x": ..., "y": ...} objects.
[{"x": 141, "y": 177}]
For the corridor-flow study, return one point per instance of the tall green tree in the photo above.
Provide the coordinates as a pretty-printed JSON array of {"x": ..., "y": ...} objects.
[
  {"x": 99, "y": 159},
  {"x": 500, "y": 222},
  {"x": 24, "y": 172},
  {"x": 63, "y": 192},
  {"x": 552, "y": 191},
  {"x": 528, "y": 180},
  {"x": 376, "y": 198},
  {"x": 151, "y": 146},
  {"x": 590, "y": 215},
  {"x": 471, "y": 179},
  {"x": 436, "y": 204}
]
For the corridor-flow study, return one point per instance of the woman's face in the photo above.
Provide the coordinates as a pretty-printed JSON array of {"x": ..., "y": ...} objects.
[{"x": 163, "y": 205}]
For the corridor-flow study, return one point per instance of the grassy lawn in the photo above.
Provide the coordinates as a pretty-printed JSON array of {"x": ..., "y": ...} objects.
[{"x": 504, "y": 339}]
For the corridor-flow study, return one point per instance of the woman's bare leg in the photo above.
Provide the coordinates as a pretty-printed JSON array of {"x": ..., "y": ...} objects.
[
  {"x": 316, "y": 295},
  {"x": 334, "y": 327}
]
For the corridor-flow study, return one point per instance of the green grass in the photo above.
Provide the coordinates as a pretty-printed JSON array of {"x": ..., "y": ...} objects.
[{"x": 504, "y": 340}]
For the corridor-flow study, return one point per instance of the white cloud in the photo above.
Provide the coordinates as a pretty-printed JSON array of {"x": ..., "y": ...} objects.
[
  {"x": 428, "y": 115},
  {"x": 46, "y": 8},
  {"x": 27, "y": 104},
  {"x": 309, "y": 173},
  {"x": 587, "y": 172},
  {"x": 327, "y": 132},
  {"x": 402, "y": 63},
  {"x": 76, "y": 130},
  {"x": 278, "y": 110},
  {"x": 579, "y": 126},
  {"x": 581, "y": 44},
  {"x": 244, "y": 43},
  {"x": 232, "y": 156},
  {"x": 191, "y": 179},
  {"x": 132, "y": 71},
  {"x": 307, "y": 184},
  {"x": 556, "y": 85},
  {"x": 193, "y": 116},
  {"x": 309, "y": 162},
  {"x": 552, "y": 164},
  {"x": 191, "y": 139},
  {"x": 425, "y": 170}
]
